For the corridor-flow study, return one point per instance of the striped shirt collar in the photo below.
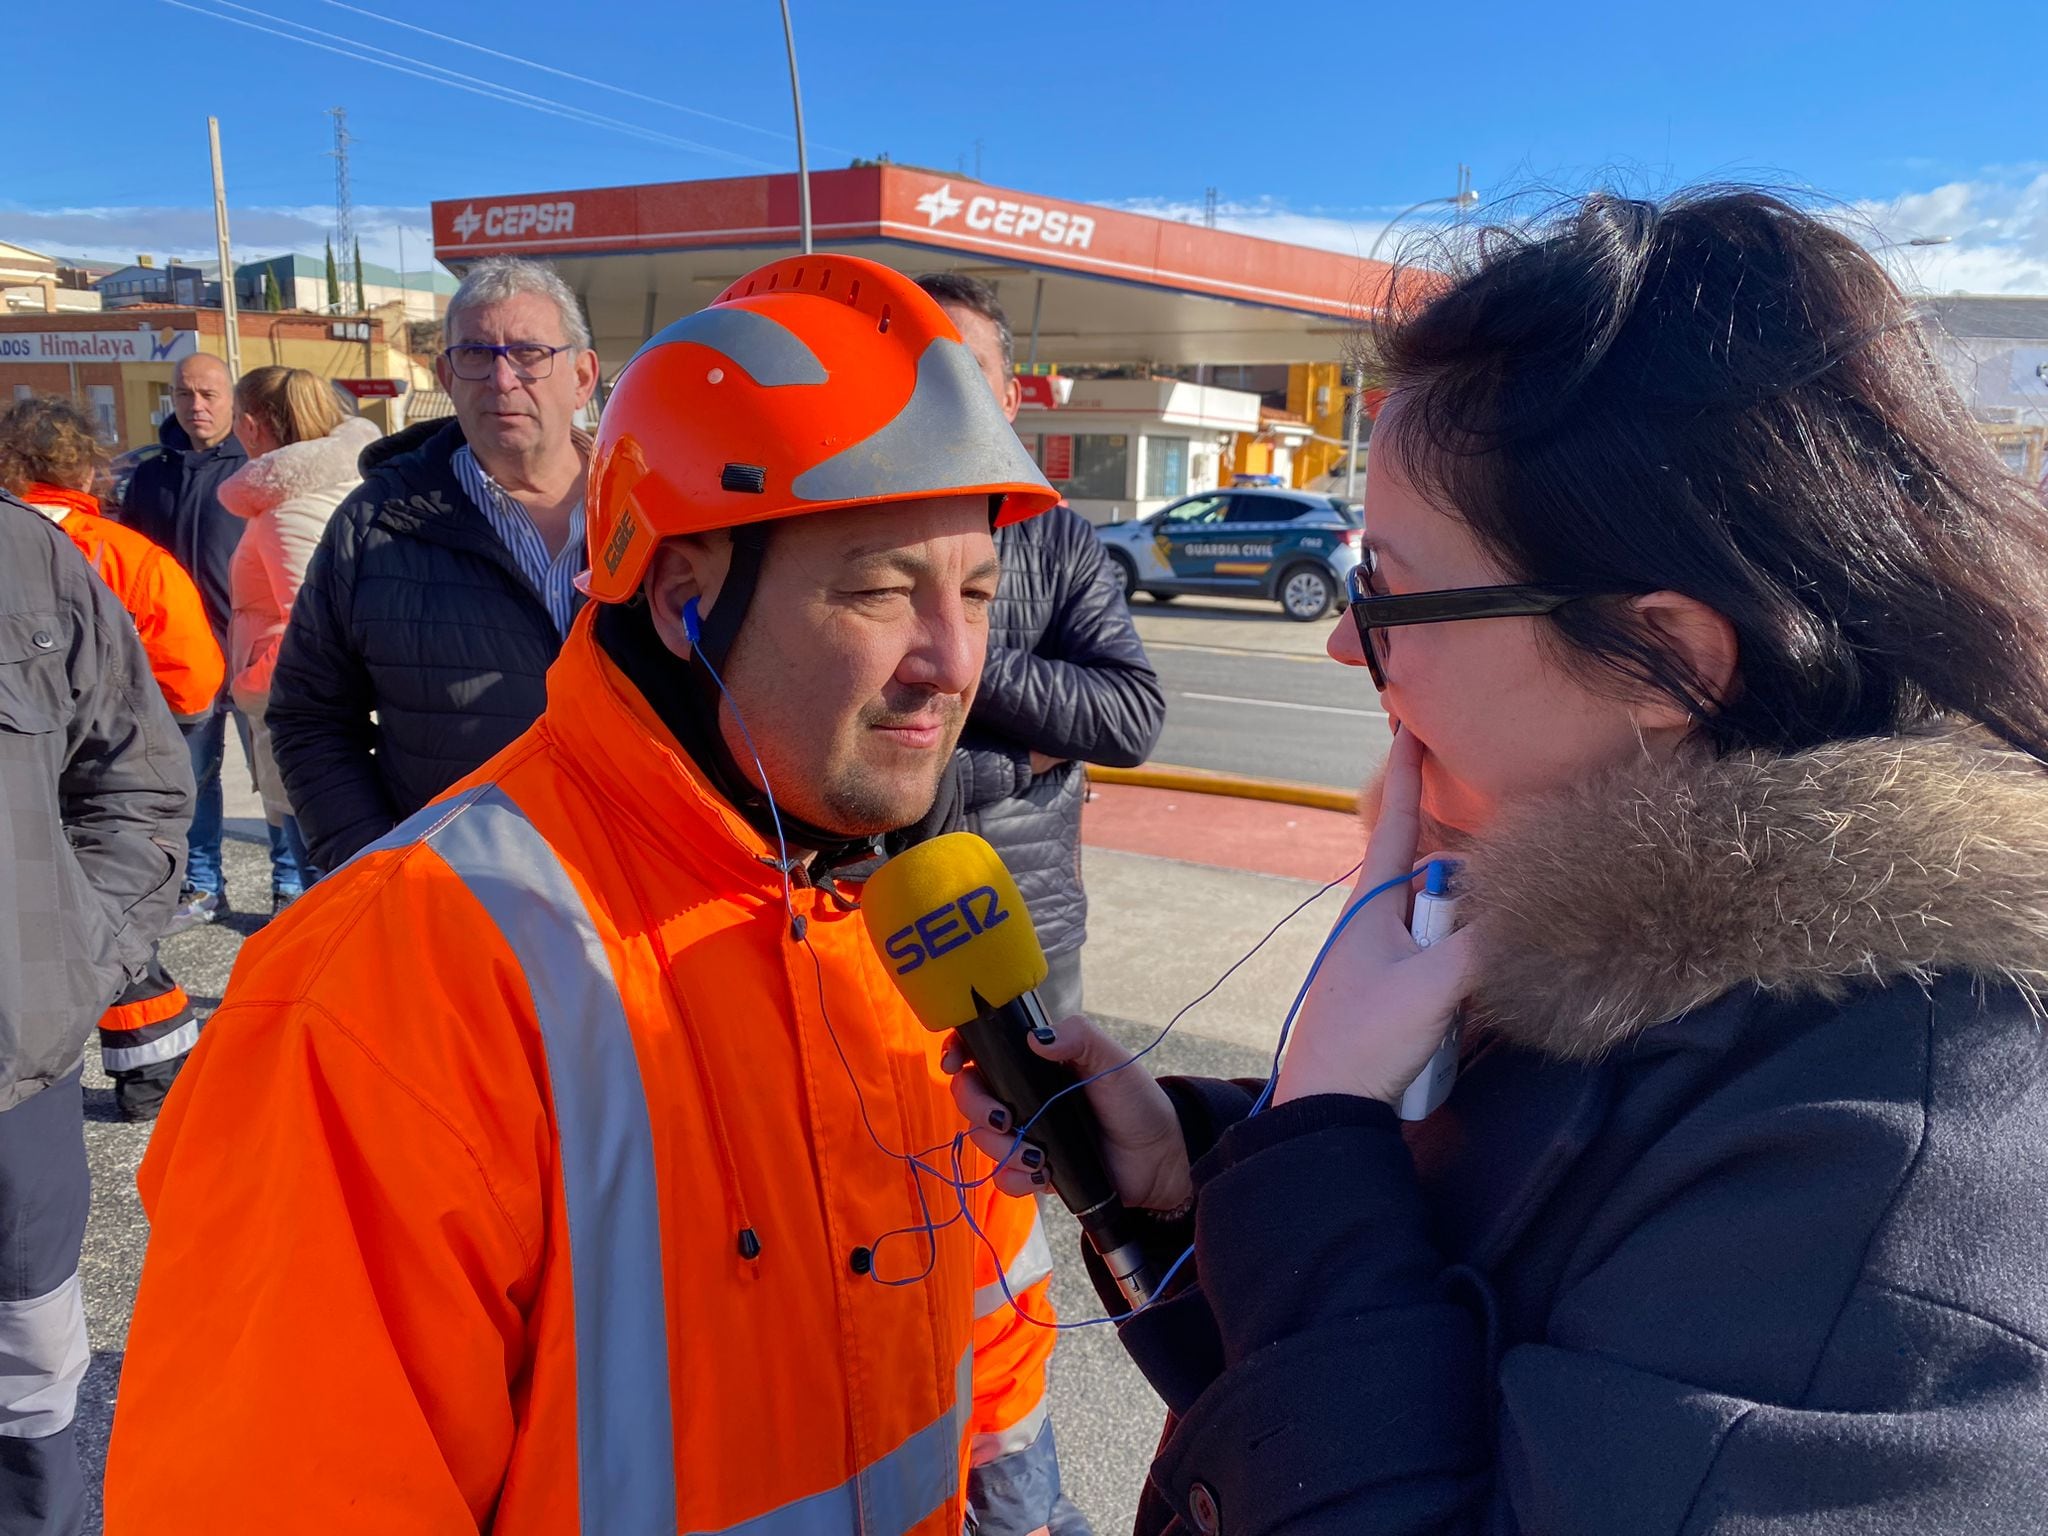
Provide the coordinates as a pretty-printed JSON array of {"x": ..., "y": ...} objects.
[{"x": 553, "y": 579}]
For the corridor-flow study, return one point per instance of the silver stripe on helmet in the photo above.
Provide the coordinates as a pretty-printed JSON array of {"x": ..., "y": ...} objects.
[
  {"x": 950, "y": 434},
  {"x": 770, "y": 352}
]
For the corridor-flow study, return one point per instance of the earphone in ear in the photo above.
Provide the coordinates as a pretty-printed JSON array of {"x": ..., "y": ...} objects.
[{"x": 693, "y": 622}]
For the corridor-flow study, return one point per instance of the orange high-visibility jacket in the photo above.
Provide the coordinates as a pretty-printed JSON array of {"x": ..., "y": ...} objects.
[
  {"x": 184, "y": 658},
  {"x": 448, "y": 1206}
]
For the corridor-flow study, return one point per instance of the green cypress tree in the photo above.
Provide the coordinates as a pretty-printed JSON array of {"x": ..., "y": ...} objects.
[
  {"x": 362, "y": 302},
  {"x": 272, "y": 299},
  {"x": 333, "y": 282}
]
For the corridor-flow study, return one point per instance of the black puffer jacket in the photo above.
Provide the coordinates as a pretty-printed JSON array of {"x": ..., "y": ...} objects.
[
  {"x": 1736, "y": 1220},
  {"x": 413, "y": 608},
  {"x": 1066, "y": 676},
  {"x": 174, "y": 500}
]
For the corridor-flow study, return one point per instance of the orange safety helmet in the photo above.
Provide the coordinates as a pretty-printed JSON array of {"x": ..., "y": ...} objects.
[{"x": 812, "y": 383}]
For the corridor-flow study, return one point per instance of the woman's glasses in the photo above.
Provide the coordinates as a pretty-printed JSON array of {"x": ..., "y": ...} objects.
[{"x": 1372, "y": 612}]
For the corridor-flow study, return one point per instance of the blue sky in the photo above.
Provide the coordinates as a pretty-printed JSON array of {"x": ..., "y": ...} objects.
[{"x": 1313, "y": 122}]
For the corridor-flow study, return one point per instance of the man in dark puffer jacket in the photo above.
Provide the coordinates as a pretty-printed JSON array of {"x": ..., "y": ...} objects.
[
  {"x": 1067, "y": 683},
  {"x": 441, "y": 590}
]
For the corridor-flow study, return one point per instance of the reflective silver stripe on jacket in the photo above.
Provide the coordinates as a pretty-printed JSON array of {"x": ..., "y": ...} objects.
[
  {"x": 1031, "y": 1265},
  {"x": 125, "y": 1058},
  {"x": 43, "y": 1356},
  {"x": 625, "y": 1445},
  {"x": 891, "y": 1494}
]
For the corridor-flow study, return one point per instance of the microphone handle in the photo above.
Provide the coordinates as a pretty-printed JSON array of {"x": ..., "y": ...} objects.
[{"x": 1068, "y": 1133}]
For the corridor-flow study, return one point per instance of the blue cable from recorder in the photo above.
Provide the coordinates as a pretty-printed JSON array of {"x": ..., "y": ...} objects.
[{"x": 693, "y": 628}]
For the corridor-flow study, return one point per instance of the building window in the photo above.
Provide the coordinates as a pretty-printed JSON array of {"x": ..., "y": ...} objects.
[
  {"x": 22, "y": 392},
  {"x": 2015, "y": 456},
  {"x": 1098, "y": 467},
  {"x": 102, "y": 398},
  {"x": 1166, "y": 468}
]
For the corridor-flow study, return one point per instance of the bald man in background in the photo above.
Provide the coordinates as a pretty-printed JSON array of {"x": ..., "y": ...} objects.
[{"x": 174, "y": 500}]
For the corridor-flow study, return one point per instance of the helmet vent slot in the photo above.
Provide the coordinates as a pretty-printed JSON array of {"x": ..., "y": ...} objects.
[{"x": 883, "y": 327}]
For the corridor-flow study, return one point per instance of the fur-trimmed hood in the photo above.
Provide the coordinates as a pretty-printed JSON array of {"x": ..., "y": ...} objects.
[
  {"x": 1650, "y": 891},
  {"x": 320, "y": 465}
]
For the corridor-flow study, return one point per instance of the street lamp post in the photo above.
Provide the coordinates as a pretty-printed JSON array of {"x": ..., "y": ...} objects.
[{"x": 803, "y": 166}]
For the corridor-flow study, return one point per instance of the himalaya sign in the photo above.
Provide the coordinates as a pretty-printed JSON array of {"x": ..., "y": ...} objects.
[{"x": 144, "y": 344}]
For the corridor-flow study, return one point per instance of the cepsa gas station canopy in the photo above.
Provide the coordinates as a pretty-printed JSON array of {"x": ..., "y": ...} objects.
[{"x": 1104, "y": 286}]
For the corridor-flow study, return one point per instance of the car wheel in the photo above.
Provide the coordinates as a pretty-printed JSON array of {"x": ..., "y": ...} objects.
[
  {"x": 1126, "y": 574},
  {"x": 1306, "y": 593},
  {"x": 1163, "y": 597}
]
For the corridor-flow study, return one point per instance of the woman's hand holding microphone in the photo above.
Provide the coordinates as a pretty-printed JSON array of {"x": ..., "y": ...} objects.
[{"x": 1368, "y": 1026}]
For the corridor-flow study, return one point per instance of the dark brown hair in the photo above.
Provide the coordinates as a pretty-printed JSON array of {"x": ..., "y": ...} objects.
[
  {"x": 47, "y": 438},
  {"x": 1723, "y": 395}
]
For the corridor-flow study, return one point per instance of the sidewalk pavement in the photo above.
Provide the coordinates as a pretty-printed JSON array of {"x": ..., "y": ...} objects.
[{"x": 1180, "y": 887}]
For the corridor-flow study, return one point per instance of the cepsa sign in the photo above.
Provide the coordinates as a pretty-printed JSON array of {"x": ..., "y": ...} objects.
[
  {"x": 1014, "y": 217},
  {"x": 515, "y": 221}
]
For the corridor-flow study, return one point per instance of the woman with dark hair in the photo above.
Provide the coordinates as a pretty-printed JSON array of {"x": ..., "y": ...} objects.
[{"x": 1716, "y": 643}]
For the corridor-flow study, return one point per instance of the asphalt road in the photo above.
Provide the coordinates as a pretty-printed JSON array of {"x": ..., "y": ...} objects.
[{"x": 1250, "y": 691}]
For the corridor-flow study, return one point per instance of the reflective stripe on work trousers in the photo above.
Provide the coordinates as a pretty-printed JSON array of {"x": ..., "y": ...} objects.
[{"x": 625, "y": 1446}]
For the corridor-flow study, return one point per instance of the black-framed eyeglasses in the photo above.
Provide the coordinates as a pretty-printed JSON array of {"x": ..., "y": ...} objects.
[
  {"x": 1372, "y": 611},
  {"x": 477, "y": 360}
]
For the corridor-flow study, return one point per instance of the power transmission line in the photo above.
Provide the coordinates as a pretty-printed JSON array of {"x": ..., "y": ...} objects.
[
  {"x": 563, "y": 74},
  {"x": 489, "y": 91}
]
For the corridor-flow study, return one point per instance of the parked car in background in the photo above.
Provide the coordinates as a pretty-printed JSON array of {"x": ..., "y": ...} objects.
[
  {"x": 1292, "y": 547},
  {"x": 111, "y": 485}
]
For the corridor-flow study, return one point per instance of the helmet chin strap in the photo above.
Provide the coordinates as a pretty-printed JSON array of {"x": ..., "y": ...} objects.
[{"x": 713, "y": 633}]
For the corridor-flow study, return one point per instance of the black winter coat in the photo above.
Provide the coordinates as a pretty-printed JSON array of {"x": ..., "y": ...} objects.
[
  {"x": 1066, "y": 676},
  {"x": 95, "y": 797},
  {"x": 174, "y": 500},
  {"x": 1736, "y": 1220},
  {"x": 412, "y": 607}
]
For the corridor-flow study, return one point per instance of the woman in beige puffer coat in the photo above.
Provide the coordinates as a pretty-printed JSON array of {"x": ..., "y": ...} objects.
[{"x": 303, "y": 447}]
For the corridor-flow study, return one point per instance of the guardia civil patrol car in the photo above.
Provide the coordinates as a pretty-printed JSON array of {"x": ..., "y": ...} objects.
[{"x": 1293, "y": 547}]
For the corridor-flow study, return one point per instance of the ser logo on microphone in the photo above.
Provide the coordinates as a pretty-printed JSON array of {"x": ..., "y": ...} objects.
[{"x": 944, "y": 929}]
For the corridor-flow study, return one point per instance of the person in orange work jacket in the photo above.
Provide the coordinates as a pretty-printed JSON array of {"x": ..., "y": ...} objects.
[
  {"x": 543, "y": 1170},
  {"x": 49, "y": 454}
]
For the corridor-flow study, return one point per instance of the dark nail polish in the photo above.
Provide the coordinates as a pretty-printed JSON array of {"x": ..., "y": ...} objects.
[
  {"x": 1044, "y": 1035},
  {"x": 999, "y": 1118},
  {"x": 1038, "y": 1178},
  {"x": 1031, "y": 1157}
]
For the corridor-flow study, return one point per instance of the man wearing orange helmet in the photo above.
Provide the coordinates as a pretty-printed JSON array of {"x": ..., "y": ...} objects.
[{"x": 567, "y": 1162}]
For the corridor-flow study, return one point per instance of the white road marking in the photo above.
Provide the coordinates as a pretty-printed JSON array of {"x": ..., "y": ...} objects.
[
  {"x": 1319, "y": 658},
  {"x": 1320, "y": 709}
]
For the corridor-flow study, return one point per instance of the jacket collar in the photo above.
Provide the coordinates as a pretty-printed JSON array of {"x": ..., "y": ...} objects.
[
  {"x": 619, "y": 748},
  {"x": 56, "y": 503},
  {"x": 1649, "y": 891},
  {"x": 298, "y": 469}
]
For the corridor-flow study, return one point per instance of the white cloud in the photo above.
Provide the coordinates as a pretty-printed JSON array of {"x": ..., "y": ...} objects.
[
  {"x": 1997, "y": 227},
  {"x": 187, "y": 234},
  {"x": 1348, "y": 231}
]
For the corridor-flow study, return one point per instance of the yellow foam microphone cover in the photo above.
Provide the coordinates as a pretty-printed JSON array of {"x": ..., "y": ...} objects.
[{"x": 947, "y": 921}]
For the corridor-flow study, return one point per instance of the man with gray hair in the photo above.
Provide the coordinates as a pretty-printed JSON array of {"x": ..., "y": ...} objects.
[{"x": 442, "y": 590}]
